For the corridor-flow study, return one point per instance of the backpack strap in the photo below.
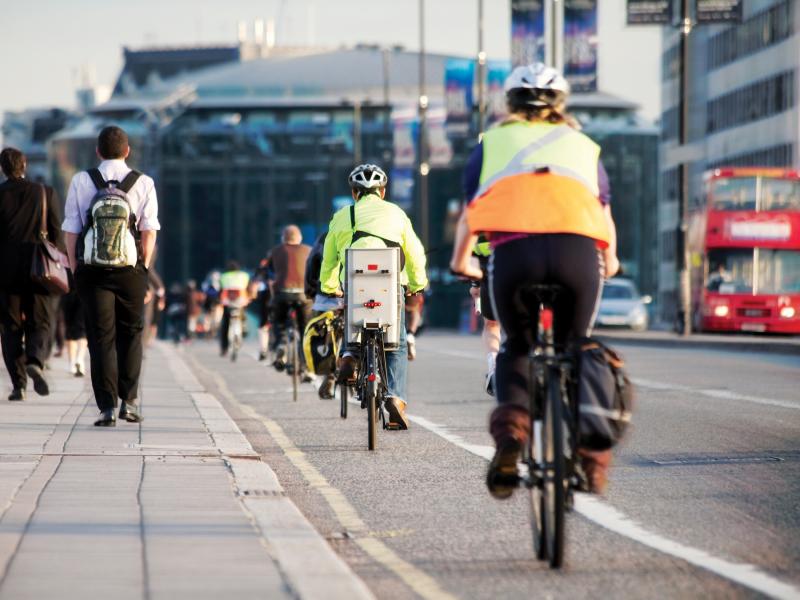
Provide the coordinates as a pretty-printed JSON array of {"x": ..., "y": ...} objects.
[
  {"x": 129, "y": 181},
  {"x": 357, "y": 235},
  {"x": 353, "y": 217},
  {"x": 97, "y": 179}
]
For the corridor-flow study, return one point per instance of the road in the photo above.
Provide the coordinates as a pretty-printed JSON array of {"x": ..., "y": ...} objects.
[{"x": 704, "y": 500}]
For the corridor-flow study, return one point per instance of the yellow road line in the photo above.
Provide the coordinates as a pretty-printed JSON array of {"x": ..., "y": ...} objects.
[{"x": 419, "y": 581}]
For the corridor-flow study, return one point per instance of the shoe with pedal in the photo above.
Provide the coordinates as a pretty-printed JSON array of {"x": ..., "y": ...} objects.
[
  {"x": 411, "y": 342},
  {"x": 346, "y": 369},
  {"x": 502, "y": 478},
  {"x": 396, "y": 407},
  {"x": 327, "y": 388}
]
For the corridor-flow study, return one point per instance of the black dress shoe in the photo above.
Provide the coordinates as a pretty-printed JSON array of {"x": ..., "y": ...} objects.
[
  {"x": 129, "y": 412},
  {"x": 17, "y": 394},
  {"x": 39, "y": 382},
  {"x": 107, "y": 419}
]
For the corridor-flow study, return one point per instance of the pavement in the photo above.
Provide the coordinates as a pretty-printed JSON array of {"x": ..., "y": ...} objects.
[
  {"x": 179, "y": 506},
  {"x": 773, "y": 344},
  {"x": 231, "y": 488}
]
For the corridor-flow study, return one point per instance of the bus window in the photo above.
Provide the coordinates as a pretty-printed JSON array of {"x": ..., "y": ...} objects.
[
  {"x": 780, "y": 194},
  {"x": 778, "y": 271},
  {"x": 736, "y": 193},
  {"x": 730, "y": 271}
]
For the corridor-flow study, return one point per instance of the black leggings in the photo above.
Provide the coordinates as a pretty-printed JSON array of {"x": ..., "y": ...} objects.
[{"x": 574, "y": 262}]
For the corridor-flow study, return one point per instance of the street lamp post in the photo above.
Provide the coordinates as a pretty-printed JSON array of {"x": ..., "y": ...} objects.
[
  {"x": 682, "y": 251},
  {"x": 481, "y": 73},
  {"x": 422, "y": 142}
]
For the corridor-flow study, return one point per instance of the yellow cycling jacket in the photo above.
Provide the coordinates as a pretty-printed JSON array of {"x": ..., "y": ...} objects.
[{"x": 376, "y": 217}]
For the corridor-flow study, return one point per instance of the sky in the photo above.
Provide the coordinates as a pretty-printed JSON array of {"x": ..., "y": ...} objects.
[{"x": 45, "y": 44}]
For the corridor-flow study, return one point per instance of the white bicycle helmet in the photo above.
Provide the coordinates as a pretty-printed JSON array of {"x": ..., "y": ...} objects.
[
  {"x": 536, "y": 85},
  {"x": 367, "y": 177}
]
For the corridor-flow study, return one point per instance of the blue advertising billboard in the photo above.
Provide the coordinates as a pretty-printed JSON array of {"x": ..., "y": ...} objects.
[
  {"x": 527, "y": 32},
  {"x": 580, "y": 44},
  {"x": 459, "y": 81},
  {"x": 497, "y": 71}
]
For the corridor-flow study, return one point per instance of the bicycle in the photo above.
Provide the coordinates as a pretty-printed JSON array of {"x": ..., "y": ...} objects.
[
  {"x": 292, "y": 349},
  {"x": 236, "y": 316},
  {"x": 551, "y": 453},
  {"x": 372, "y": 378}
]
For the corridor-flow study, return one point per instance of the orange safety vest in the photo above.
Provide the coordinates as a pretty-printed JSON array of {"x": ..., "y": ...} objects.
[{"x": 538, "y": 178}]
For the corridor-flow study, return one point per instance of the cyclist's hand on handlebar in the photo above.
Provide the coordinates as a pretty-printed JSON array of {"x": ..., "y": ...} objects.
[
  {"x": 466, "y": 271},
  {"x": 612, "y": 266}
]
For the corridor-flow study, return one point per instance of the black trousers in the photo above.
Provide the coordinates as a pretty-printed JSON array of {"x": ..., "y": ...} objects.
[
  {"x": 113, "y": 302},
  {"x": 572, "y": 261},
  {"x": 26, "y": 328}
]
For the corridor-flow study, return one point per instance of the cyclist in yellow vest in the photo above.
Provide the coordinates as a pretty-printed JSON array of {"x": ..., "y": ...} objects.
[
  {"x": 374, "y": 222},
  {"x": 538, "y": 198},
  {"x": 234, "y": 284}
]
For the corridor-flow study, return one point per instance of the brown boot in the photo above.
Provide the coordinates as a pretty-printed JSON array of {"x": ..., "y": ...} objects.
[
  {"x": 510, "y": 426},
  {"x": 346, "y": 367},
  {"x": 397, "y": 413},
  {"x": 595, "y": 464}
]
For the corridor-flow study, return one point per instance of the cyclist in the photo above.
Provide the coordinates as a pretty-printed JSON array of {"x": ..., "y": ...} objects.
[
  {"x": 287, "y": 262},
  {"x": 260, "y": 290},
  {"x": 542, "y": 197},
  {"x": 234, "y": 284},
  {"x": 378, "y": 223}
]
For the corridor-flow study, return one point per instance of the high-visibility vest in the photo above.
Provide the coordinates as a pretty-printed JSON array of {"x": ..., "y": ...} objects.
[
  {"x": 538, "y": 178},
  {"x": 234, "y": 280}
]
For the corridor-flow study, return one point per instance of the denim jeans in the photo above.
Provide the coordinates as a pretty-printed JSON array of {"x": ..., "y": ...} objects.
[{"x": 397, "y": 363}]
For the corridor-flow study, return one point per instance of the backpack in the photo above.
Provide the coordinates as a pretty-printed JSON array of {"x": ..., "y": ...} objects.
[
  {"x": 604, "y": 396},
  {"x": 110, "y": 237},
  {"x": 320, "y": 345},
  {"x": 363, "y": 235}
]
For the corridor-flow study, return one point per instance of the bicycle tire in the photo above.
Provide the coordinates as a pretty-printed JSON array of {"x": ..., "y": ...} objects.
[
  {"x": 294, "y": 362},
  {"x": 371, "y": 391},
  {"x": 343, "y": 399},
  {"x": 554, "y": 488},
  {"x": 534, "y": 460}
]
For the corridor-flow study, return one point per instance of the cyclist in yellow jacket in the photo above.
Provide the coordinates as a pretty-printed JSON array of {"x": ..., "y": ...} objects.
[
  {"x": 375, "y": 223},
  {"x": 538, "y": 195}
]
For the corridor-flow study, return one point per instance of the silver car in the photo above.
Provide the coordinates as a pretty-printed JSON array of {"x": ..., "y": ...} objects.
[{"x": 622, "y": 306}]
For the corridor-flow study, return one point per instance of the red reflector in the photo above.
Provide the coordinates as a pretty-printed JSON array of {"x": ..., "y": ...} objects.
[
  {"x": 372, "y": 267},
  {"x": 371, "y": 377},
  {"x": 547, "y": 318},
  {"x": 372, "y": 304}
]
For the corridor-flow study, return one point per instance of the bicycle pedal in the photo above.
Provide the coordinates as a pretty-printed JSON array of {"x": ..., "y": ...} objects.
[{"x": 393, "y": 426}]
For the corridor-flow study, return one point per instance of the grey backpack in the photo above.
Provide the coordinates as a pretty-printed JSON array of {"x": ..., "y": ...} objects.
[{"x": 110, "y": 238}]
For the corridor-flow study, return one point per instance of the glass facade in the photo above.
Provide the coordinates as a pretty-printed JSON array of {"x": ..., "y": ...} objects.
[{"x": 752, "y": 102}]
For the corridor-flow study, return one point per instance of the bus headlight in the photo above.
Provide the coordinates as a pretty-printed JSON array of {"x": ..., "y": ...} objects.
[
  {"x": 787, "y": 312},
  {"x": 721, "y": 310}
]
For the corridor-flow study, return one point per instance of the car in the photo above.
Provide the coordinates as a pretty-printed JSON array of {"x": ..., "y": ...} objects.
[{"x": 621, "y": 305}]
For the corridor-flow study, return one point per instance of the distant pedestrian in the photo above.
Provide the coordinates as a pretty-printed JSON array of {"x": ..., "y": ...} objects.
[
  {"x": 27, "y": 318},
  {"x": 111, "y": 220},
  {"x": 74, "y": 332}
]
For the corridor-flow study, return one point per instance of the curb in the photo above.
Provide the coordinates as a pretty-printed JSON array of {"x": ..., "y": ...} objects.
[{"x": 757, "y": 346}]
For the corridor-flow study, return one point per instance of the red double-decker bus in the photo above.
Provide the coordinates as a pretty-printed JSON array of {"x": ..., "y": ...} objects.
[{"x": 745, "y": 252}]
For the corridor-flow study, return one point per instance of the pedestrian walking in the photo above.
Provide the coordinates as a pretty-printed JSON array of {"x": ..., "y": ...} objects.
[
  {"x": 27, "y": 318},
  {"x": 110, "y": 225}
]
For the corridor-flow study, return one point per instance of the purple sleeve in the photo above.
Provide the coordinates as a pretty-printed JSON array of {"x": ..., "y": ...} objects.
[
  {"x": 472, "y": 173},
  {"x": 602, "y": 183}
]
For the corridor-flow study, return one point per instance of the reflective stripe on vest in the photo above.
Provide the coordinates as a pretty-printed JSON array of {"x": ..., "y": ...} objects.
[{"x": 538, "y": 178}]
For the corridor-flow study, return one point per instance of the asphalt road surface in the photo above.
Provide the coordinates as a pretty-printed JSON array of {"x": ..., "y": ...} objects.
[{"x": 704, "y": 500}]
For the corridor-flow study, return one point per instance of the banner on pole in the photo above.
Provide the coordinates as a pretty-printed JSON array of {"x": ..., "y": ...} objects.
[
  {"x": 459, "y": 81},
  {"x": 527, "y": 32},
  {"x": 497, "y": 72},
  {"x": 649, "y": 12},
  {"x": 718, "y": 11},
  {"x": 580, "y": 44}
]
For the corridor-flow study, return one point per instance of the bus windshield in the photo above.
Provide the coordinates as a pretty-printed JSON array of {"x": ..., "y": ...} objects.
[
  {"x": 731, "y": 271},
  {"x": 780, "y": 194}
]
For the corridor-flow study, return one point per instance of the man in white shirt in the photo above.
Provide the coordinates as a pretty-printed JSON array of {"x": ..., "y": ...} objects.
[{"x": 113, "y": 297}]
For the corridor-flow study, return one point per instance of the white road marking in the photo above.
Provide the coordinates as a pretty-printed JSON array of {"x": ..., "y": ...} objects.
[{"x": 612, "y": 519}]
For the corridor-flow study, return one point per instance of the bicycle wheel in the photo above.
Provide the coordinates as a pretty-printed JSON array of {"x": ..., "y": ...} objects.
[
  {"x": 535, "y": 460},
  {"x": 343, "y": 400},
  {"x": 554, "y": 488},
  {"x": 371, "y": 385},
  {"x": 294, "y": 362}
]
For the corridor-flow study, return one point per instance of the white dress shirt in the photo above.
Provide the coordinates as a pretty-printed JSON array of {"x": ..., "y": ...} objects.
[{"x": 142, "y": 197}]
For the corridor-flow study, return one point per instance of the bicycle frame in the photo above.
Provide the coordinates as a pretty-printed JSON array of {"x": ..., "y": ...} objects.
[{"x": 372, "y": 379}]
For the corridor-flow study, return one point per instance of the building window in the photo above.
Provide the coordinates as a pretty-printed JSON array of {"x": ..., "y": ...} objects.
[
  {"x": 670, "y": 123},
  {"x": 756, "y": 101},
  {"x": 756, "y": 33},
  {"x": 781, "y": 155},
  {"x": 671, "y": 181},
  {"x": 670, "y": 63}
]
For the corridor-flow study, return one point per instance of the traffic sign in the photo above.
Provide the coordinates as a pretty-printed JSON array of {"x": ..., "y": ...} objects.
[
  {"x": 649, "y": 12},
  {"x": 718, "y": 11}
]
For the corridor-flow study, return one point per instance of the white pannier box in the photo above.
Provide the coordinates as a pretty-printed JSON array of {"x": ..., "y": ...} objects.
[{"x": 372, "y": 293}]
